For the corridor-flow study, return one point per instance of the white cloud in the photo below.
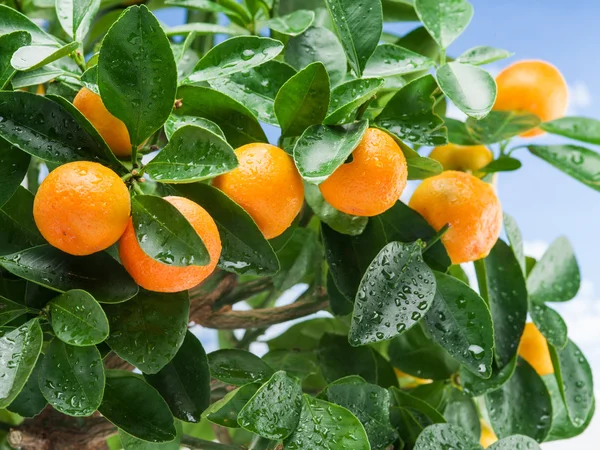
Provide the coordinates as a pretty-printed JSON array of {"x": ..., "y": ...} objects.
[{"x": 580, "y": 98}]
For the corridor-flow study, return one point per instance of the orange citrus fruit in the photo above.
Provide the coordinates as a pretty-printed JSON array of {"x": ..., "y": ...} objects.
[
  {"x": 82, "y": 207},
  {"x": 112, "y": 130},
  {"x": 468, "y": 205},
  {"x": 534, "y": 349},
  {"x": 373, "y": 181},
  {"x": 536, "y": 87},
  {"x": 466, "y": 158},
  {"x": 157, "y": 276},
  {"x": 488, "y": 437},
  {"x": 267, "y": 185},
  {"x": 409, "y": 381}
]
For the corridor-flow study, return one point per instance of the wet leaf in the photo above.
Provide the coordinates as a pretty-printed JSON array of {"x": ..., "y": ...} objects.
[
  {"x": 582, "y": 129},
  {"x": 11, "y": 20},
  {"x": 407, "y": 401},
  {"x": 445, "y": 435},
  {"x": 238, "y": 367},
  {"x": 337, "y": 359},
  {"x": 132, "y": 443},
  {"x": 16, "y": 222},
  {"x": 476, "y": 386},
  {"x": 30, "y": 401},
  {"x": 460, "y": 410},
  {"x": 89, "y": 79},
  {"x": 337, "y": 220},
  {"x": 515, "y": 238},
  {"x": 306, "y": 335},
  {"x": 550, "y": 324},
  {"x": 499, "y": 126},
  {"x": 300, "y": 259},
  {"x": 346, "y": 98},
  {"x": 483, "y": 55},
  {"x": 390, "y": 60},
  {"x": 9, "y": 44},
  {"x": 513, "y": 442},
  {"x": 76, "y": 16},
  {"x": 10, "y": 310},
  {"x": 292, "y": 24},
  {"x": 445, "y": 20},
  {"x": 175, "y": 122},
  {"x": 225, "y": 412},
  {"x": 296, "y": 363}
]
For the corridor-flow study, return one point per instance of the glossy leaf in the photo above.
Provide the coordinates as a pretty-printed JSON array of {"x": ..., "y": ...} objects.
[
  {"x": 274, "y": 411},
  {"x": 89, "y": 79},
  {"x": 33, "y": 57},
  {"x": 76, "y": 16},
  {"x": 445, "y": 20},
  {"x": 72, "y": 378},
  {"x": 99, "y": 274},
  {"x": 296, "y": 363},
  {"x": 515, "y": 238},
  {"x": 458, "y": 133},
  {"x": 16, "y": 222},
  {"x": 346, "y": 98},
  {"x": 513, "y": 442},
  {"x": 422, "y": 167},
  {"x": 301, "y": 259},
  {"x": 550, "y": 324},
  {"x": 136, "y": 407},
  {"x": 337, "y": 359},
  {"x": 10, "y": 310},
  {"x": 175, "y": 122},
  {"x": 9, "y": 44},
  {"x": 323, "y": 148},
  {"x": 11, "y": 20},
  {"x": 303, "y": 100},
  {"x": 137, "y": 76},
  {"x": 30, "y": 401},
  {"x": 238, "y": 367},
  {"x": 201, "y": 29},
  {"x": 77, "y": 319},
  {"x": 185, "y": 381},
  {"x": 499, "y": 126},
  {"x": 245, "y": 250},
  {"x": 337, "y": 220},
  {"x": 475, "y": 386},
  {"x": 234, "y": 55},
  {"x": 292, "y": 24},
  {"x": 502, "y": 164},
  {"x": 555, "y": 277},
  {"x": 148, "y": 330},
  {"x": 445, "y": 435},
  {"x": 471, "y": 89},
  {"x": 225, "y": 412},
  {"x": 19, "y": 351},
  {"x": 483, "y": 54},
  {"x": 579, "y": 128},
  {"x": 407, "y": 401},
  {"x": 394, "y": 294},
  {"x": 460, "y": 410},
  {"x": 390, "y": 60},
  {"x": 132, "y": 443}
]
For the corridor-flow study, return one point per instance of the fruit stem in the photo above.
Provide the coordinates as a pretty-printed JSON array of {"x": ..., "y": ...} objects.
[
  {"x": 481, "y": 273},
  {"x": 437, "y": 237},
  {"x": 134, "y": 161},
  {"x": 137, "y": 189},
  {"x": 79, "y": 59},
  {"x": 442, "y": 56},
  {"x": 127, "y": 176}
]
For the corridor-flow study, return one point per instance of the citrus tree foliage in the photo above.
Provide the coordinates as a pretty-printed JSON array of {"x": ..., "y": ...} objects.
[{"x": 323, "y": 71}]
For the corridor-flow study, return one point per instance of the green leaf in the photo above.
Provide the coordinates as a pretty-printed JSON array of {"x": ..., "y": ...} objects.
[
  {"x": 245, "y": 250},
  {"x": 513, "y": 442},
  {"x": 78, "y": 319},
  {"x": 407, "y": 401},
  {"x": 256, "y": 88},
  {"x": 9, "y": 44},
  {"x": 409, "y": 114},
  {"x": 476, "y": 386},
  {"x": 89, "y": 79},
  {"x": 471, "y": 89},
  {"x": 19, "y": 351},
  {"x": 339, "y": 221},
  {"x": 237, "y": 122},
  {"x": 505, "y": 291},
  {"x": 338, "y": 428},
  {"x": 136, "y": 407},
  {"x": 174, "y": 123},
  {"x": 300, "y": 259},
  {"x": 521, "y": 406},
  {"x": 11, "y": 20},
  {"x": 165, "y": 234},
  {"x": 274, "y": 411},
  {"x": 234, "y": 55},
  {"x": 359, "y": 28},
  {"x": 399, "y": 11},
  {"x": 555, "y": 277},
  {"x": 483, "y": 54},
  {"x": 499, "y": 126},
  {"x": 99, "y": 274},
  {"x": 575, "y": 381},
  {"x": 63, "y": 68},
  {"x": 458, "y": 133},
  {"x": 225, "y": 412},
  {"x": 137, "y": 76},
  {"x": 502, "y": 164},
  {"x": 185, "y": 381},
  {"x": 292, "y": 24},
  {"x": 390, "y": 60},
  {"x": 306, "y": 335},
  {"x": 445, "y": 435},
  {"x": 132, "y": 443},
  {"x": 30, "y": 401},
  {"x": 201, "y": 29},
  {"x": 72, "y": 378},
  {"x": 581, "y": 129},
  {"x": 296, "y": 363},
  {"x": 238, "y": 367},
  {"x": 460, "y": 410},
  {"x": 303, "y": 100},
  {"x": 317, "y": 44},
  {"x": 17, "y": 224},
  {"x": 10, "y": 310},
  {"x": 550, "y": 324},
  {"x": 338, "y": 359},
  {"x": 460, "y": 321},
  {"x": 347, "y": 97},
  {"x": 394, "y": 294},
  {"x": 148, "y": 330},
  {"x": 323, "y": 148},
  {"x": 445, "y": 20},
  {"x": 33, "y": 57},
  {"x": 421, "y": 167},
  {"x": 76, "y": 16},
  {"x": 515, "y": 238},
  {"x": 578, "y": 162}
]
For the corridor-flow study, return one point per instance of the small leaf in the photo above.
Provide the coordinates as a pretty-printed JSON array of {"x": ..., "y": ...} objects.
[
  {"x": 579, "y": 128},
  {"x": 405, "y": 400},
  {"x": 274, "y": 411},
  {"x": 76, "y": 16},
  {"x": 458, "y": 133},
  {"x": 475, "y": 386},
  {"x": 11, "y": 20},
  {"x": 513, "y": 442},
  {"x": 323, "y": 148},
  {"x": 202, "y": 29},
  {"x": 422, "y": 167},
  {"x": 78, "y": 319},
  {"x": 471, "y": 89},
  {"x": 30, "y": 401},
  {"x": 300, "y": 259},
  {"x": 89, "y": 79},
  {"x": 72, "y": 378},
  {"x": 307, "y": 335},
  {"x": 499, "y": 126},
  {"x": 445, "y": 20},
  {"x": 10, "y": 310},
  {"x": 234, "y": 55},
  {"x": 445, "y": 435},
  {"x": 555, "y": 277},
  {"x": 460, "y": 410},
  {"x": 35, "y": 56},
  {"x": 296, "y": 363},
  {"x": 483, "y": 54},
  {"x": 148, "y": 330},
  {"x": 550, "y": 324},
  {"x": 390, "y": 60},
  {"x": 337, "y": 220},
  {"x": 396, "y": 276},
  {"x": 292, "y": 24},
  {"x": 174, "y": 123},
  {"x": 225, "y": 412},
  {"x": 17, "y": 224},
  {"x": 337, "y": 359},
  {"x": 99, "y": 274},
  {"x": 515, "y": 238},
  {"x": 347, "y": 97},
  {"x": 238, "y": 367},
  {"x": 9, "y": 44},
  {"x": 502, "y": 164},
  {"x": 303, "y": 100}
]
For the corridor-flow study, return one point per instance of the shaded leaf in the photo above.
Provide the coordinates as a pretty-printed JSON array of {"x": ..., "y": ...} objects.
[
  {"x": 445, "y": 435},
  {"x": 550, "y": 324},
  {"x": 347, "y": 97},
  {"x": 390, "y": 60},
  {"x": 225, "y": 411},
  {"x": 338, "y": 359},
  {"x": 498, "y": 126},
  {"x": 76, "y": 16},
  {"x": 10, "y": 310},
  {"x": 337, "y": 220},
  {"x": 292, "y": 24},
  {"x": 30, "y": 401},
  {"x": 238, "y": 367},
  {"x": 9, "y": 44},
  {"x": 476, "y": 386},
  {"x": 11, "y": 20}
]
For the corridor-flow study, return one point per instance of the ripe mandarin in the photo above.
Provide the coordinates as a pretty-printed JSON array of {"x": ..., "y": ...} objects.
[
  {"x": 373, "y": 181},
  {"x": 534, "y": 349},
  {"x": 267, "y": 185},
  {"x": 468, "y": 205},
  {"x": 159, "y": 277},
  {"x": 536, "y": 87},
  {"x": 466, "y": 158},
  {"x": 488, "y": 437},
  {"x": 82, "y": 207}
]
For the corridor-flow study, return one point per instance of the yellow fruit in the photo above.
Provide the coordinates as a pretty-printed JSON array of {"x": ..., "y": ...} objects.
[
  {"x": 465, "y": 158},
  {"x": 534, "y": 349},
  {"x": 488, "y": 437}
]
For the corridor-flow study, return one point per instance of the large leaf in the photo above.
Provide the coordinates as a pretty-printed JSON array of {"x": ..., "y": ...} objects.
[
  {"x": 137, "y": 408},
  {"x": 245, "y": 250},
  {"x": 579, "y": 128},
  {"x": 338, "y": 359},
  {"x": 499, "y": 126},
  {"x": 394, "y": 294},
  {"x": 390, "y": 60},
  {"x": 11, "y": 20},
  {"x": 19, "y": 351},
  {"x": 225, "y": 412},
  {"x": 137, "y": 76},
  {"x": 148, "y": 330},
  {"x": 335, "y": 219},
  {"x": 9, "y": 44},
  {"x": 17, "y": 224},
  {"x": 323, "y": 148},
  {"x": 99, "y": 274},
  {"x": 72, "y": 378},
  {"x": 445, "y": 20},
  {"x": 185, "y": 381},
  {"x": 165, "y": 234},
  {"x": 460, "y": 321},
  {"x": 445, "y": 435},
  {"x": 175, "y": 122},
  {"x": 347, "y": 97},
  {"x": 303, "y": 100},
  {"x": 483, "y": 55},
  {"x": 238, "y": 367},
  {"x": 555, "y": 277},
  {"x": 78, "y": 319},
  {"x": 234, "y": 55},
  {"x": 292, "y": 24},
  {"x": 75, "y": 16},
  {"x": 30, "y": 401}
]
